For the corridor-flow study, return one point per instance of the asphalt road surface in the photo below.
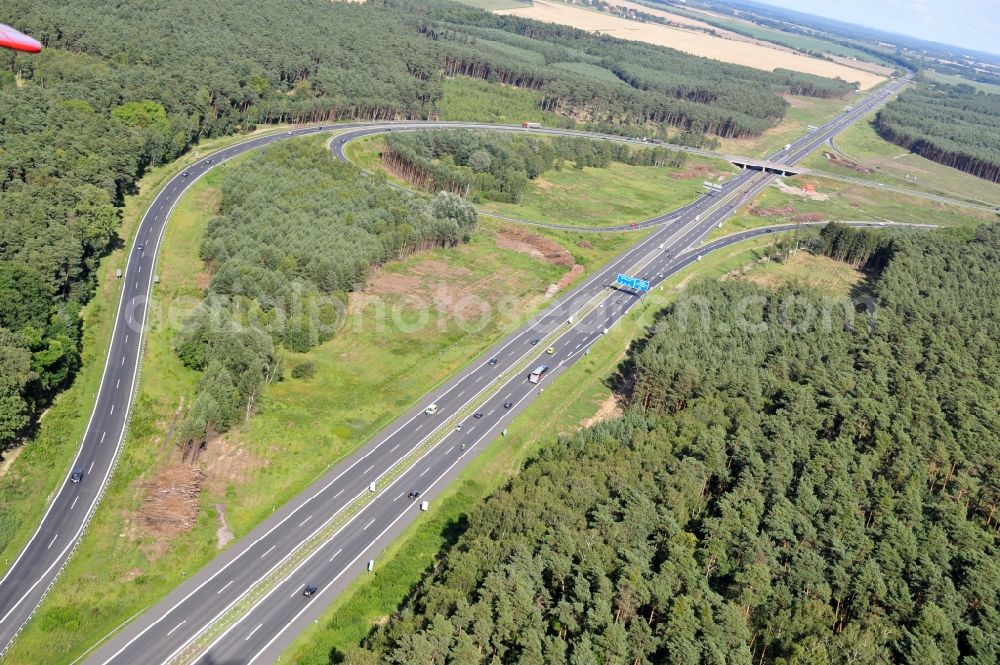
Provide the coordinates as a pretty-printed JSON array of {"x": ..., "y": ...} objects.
[{"x": 167, "y": 627}]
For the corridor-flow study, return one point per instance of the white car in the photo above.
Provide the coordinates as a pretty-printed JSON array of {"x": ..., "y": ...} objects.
[{"x": 431, "y": 410}]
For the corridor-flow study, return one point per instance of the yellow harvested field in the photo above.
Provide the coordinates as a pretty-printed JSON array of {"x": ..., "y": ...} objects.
[
  {"x": 861, "y": 64},
  {"x": 689, "y": 41}
]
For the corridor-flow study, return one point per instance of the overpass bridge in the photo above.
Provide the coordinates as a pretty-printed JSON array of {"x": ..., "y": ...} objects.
[{"x": 765, "y": 165}]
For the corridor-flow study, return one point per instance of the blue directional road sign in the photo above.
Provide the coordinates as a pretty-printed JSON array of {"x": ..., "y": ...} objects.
[{"x": 633, "y": 283}]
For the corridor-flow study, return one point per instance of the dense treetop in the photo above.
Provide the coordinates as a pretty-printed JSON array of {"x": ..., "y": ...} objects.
[
  {"x": 782, "y": 490},
  {"x": 953, "y": 125},
  {"x": 297, "y": 230}
]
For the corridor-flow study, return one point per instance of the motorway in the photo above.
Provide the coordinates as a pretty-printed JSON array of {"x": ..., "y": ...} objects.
[{"x": 169, "y": 628}]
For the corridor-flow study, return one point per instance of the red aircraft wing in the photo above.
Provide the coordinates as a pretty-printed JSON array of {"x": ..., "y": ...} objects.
[{"x": 12, "y": 39}]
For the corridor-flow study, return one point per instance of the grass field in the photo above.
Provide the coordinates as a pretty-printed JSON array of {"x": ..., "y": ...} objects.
[
  {"x": 122, "y": 566},
  {"x": 847, "y": 202},
  {"x": 588, "y": 197},
  {"x": 615, "y": 195},
  {"x": 570, "y": 402},
  {"x": 693, "y": 42},
  {"x": 894, "y": 165},
  {"x": 824, "y": 274},
  {"x": 802, "y": 112}
]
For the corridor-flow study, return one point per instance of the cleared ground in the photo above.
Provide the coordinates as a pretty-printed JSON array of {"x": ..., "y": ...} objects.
[
  {"x": 696, "y": 43},
  {"x": 839, "y": 201},
  {"x": 831, "y": 277},
  {"x": 871, "y": 157},
  {"x": 417, "y": 322}
]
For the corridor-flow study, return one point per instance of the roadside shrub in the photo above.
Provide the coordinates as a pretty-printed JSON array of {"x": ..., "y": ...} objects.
[{"x": 304, "y": 370}]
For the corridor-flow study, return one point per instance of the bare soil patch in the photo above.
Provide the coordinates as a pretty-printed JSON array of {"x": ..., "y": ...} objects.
[
  {"x": 789, "y": 212},
  {"x": 697, "y": 171},
  {"x": 203, "y": 278},
  {"x": 8, "y": 459},
  {"x": 834, "y": 159},
  {"x": 609, "y": 409},
  {"x": 226, "y": 462},
  {"x": 223, "y": 535},
  {"x": 798, "y": 191},
  {"x": 431, "y": 284},
  {"x": 568, "y": 278},
  {"x": 532, "y": 244}
]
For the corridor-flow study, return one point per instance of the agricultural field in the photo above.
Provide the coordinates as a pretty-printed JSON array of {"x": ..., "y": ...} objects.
[
  {"x": 162, "y": 519},
  {"x": 871, "y": 157},
  {"x": 695, "y": 43}
]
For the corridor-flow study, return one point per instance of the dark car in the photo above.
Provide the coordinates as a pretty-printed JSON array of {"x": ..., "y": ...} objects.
[
  {"x": 534, "y": 341},
  {"x": 185, "y": 174},
  {"x": 309, "y": 591},
  {"x": 77, "y": 476},
  {"x": 507, "y": 405},
  {"x": 413, "y": 494},
  {"x": 477, "y": 414},
  {"x": 618, "y": 302},
  {"x": 493, "y": 361}
]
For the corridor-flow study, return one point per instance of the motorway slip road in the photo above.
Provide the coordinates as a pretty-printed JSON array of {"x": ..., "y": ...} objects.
[{"x": 156, "y": 636}]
